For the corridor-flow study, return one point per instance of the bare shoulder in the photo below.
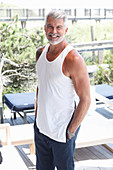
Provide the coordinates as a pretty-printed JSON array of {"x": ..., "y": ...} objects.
[
  {"x": 77, "y": 71},
  {"x": 74, "y": 59},
  {"x": 39, "y": 52}
]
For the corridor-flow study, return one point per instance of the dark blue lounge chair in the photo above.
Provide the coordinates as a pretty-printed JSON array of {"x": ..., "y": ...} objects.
[
  {"x": 105, "y": 90},
  {"x": 24, "y": 102},
  {"x": 20, "y": 102}
]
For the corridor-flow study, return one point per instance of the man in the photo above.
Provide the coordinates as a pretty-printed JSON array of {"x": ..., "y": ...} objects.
[{"x": 61, "y": 73}]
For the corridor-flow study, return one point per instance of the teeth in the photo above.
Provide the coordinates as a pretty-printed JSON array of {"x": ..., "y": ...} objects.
[{"x": 54, "y": 36}]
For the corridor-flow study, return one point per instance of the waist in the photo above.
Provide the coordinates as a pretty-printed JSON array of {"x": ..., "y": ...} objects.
[{"x": 54, "y": 123}]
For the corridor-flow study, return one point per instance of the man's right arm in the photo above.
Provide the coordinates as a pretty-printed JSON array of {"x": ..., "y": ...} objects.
[{"x": 38, "y": 53}]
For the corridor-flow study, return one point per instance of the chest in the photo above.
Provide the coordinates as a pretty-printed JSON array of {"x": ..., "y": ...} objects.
[{"x": 51, "y": 56}]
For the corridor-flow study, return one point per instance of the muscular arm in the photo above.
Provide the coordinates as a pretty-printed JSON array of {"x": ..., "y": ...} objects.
[
  {"x": 78, "y": 72},
  {"x": 38, "y": 53}
]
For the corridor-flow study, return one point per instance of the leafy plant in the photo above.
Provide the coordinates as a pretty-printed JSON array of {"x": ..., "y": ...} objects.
[{"x": 17, "y": 57}]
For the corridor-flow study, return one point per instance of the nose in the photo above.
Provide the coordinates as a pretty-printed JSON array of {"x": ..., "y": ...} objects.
[{"x": 54, "y": 30}]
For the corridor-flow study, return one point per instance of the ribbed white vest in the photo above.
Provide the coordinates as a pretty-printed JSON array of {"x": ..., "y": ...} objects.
[{"x": 56, "y": 96}]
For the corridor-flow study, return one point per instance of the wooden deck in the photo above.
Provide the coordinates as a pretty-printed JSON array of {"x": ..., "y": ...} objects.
[{"x": 90, "y": 158}]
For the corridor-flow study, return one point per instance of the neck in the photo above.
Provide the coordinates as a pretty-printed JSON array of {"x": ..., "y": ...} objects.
[{"x": 57, "y": 48}]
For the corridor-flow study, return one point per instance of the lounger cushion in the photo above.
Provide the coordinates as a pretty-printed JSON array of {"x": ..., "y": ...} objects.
[
  {"x": 20, "y": 101},
  {"x": 11, "y": 159},
  {"x": 105, "y": 90},
  {"x": 95, "y": 130}
]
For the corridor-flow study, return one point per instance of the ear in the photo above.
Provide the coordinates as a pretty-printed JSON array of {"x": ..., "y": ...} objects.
[
  {"x": 44, "y": 27},
  {"x": 66, "y": 30}
]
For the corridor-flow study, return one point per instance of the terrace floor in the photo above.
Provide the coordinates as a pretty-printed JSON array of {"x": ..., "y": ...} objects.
[{"x": 89, "y": 158}]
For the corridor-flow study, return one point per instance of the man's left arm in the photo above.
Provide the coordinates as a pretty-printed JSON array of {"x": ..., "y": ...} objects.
[{"x": 79, "y": 75}]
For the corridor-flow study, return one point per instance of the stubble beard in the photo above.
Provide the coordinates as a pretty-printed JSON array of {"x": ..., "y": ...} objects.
[{"x": 61, "y": 38}]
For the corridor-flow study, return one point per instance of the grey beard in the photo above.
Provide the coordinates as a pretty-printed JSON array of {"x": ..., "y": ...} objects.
[{"x": 58, "y": 41}]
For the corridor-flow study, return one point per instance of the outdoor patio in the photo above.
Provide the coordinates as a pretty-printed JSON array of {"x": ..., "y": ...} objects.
[{"x": 87, "y": 158}]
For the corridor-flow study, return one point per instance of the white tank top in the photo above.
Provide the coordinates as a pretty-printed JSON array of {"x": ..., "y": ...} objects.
[{"x": 56, "y": 96}]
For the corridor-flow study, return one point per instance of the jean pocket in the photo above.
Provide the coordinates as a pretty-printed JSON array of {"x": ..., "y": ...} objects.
[
  {"x": 67, "y": 138},
  {"x": 34, "y": 125}
]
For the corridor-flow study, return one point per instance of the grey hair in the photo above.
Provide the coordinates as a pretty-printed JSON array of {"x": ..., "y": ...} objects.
[{"x": 57, "y": 14}]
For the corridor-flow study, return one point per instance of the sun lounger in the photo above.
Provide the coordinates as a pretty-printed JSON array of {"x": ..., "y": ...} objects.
[
  {"x": 17, "y": 135},
  {"x": 20, "y": 102},
  {"x": 104, "y": 90},
  {"x": 11, "y": 159},
  {"x": 96, "y": 129}
]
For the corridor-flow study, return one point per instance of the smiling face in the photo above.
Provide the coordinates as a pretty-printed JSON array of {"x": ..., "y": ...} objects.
[{"x": 55, "y": 30}]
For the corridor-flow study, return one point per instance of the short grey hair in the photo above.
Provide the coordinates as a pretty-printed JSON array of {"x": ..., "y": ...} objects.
[{"x": 57, "y": 14}]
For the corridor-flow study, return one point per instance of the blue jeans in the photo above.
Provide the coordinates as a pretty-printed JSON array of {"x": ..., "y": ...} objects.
[{"x": 51, "y": 154}]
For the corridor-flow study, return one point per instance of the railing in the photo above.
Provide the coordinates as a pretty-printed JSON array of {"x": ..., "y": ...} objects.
[
  {"x": 39, "y": 14},
  {"x": 94, "y": 46}
]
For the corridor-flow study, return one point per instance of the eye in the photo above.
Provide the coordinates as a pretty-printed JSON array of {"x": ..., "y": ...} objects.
[
  {"x": 59, "y": 27},
  {"x": 49, "y": 27}
]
